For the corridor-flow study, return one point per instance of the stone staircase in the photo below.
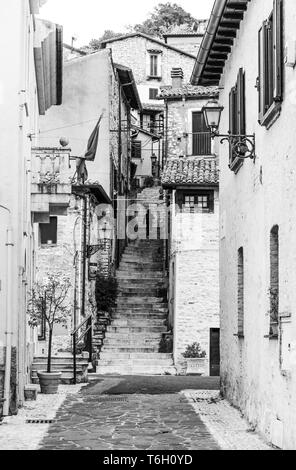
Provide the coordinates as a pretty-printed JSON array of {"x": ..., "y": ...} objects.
[
  {"x": 132, "y": 340},
  {"x": 64, "y": 364}
]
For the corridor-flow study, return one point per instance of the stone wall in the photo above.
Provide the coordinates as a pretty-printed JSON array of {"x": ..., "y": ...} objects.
[
  {"x": 258, "y": 373},
  {"x": 179, "y": 135},
  {"x": 132, "y": 52},
  {"x": 13, "y": 380},
  {"x": 195, "y": 295}
]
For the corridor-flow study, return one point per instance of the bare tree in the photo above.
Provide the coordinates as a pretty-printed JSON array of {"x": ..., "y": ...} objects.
[{"x": 48, "y": 300}]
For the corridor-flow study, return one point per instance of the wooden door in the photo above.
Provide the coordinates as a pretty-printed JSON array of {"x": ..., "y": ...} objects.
[{"x": 214, "y": 352}]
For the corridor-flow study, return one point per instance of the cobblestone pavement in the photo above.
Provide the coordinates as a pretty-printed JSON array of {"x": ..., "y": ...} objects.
[
  {"x": 231, "y": 431},
  {"x": 132, "y": 413},
  {"x": 16, "y": 434}
]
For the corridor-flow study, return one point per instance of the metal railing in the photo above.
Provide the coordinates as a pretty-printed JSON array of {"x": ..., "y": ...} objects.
[
  {"x": 88, "y": 323},
  {"x": 201, "y": 143}
]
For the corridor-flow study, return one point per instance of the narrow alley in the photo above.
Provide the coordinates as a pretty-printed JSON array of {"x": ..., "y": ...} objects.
[{"x": 134, "y": 413}]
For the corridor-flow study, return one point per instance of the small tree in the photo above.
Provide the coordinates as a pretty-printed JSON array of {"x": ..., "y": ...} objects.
[{"x": 48, "y": 300}]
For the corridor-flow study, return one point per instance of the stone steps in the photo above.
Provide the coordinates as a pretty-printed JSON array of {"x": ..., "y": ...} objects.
[
  {"x": 62, "y": 364},
  {"x": 132, "y": 339}
]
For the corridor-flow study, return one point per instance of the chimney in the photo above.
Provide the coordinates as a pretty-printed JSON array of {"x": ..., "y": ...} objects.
[{"x": 177, "y": 77}]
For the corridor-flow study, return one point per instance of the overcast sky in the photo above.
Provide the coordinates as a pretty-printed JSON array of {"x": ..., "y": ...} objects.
[{"x": 88, "y": 19}]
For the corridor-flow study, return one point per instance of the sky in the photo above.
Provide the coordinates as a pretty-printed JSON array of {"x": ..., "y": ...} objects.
[{"x": 88, "y": 19}]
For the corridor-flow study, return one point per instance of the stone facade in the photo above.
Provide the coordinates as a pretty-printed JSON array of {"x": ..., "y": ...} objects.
[
  {"x": 194, "y": 237},
  {"x": 194, "y": 279},
  {"x": 133, "y": 51},
  {"x": 258, "y": 371}
]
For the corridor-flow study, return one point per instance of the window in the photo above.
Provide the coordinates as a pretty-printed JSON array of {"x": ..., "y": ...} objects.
[
  {"x": 153, "y": 65},
  {"x": 237, "y": 117},
  {"x": 201, "y": 137},
  {"x": 274, "y": 278},
  {"x": 48, "y": 232},
  {"x": 153, "y": 93},
  {"x": 270, "y": 80},
  {"x": 196, "y": 202},
  {"x": 240, "y": 292},
  {"x": 136, "y": 149}
]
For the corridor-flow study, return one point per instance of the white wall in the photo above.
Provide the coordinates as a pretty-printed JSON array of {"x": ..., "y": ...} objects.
[
  {"x": 194, "y": 301},
  {"x": 17, "y": 88},
  {"x": 262, "y": 194}
]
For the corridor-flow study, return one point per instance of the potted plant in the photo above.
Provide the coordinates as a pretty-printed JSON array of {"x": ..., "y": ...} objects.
[
  {"x": 49, "y": 302},
  {"x": 195, "y": 358}
]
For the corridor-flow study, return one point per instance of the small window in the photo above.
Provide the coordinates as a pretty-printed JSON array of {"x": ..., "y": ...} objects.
[
  {"x": 153, "y": 93},
  {"x": 240, "y": 292},
  {"x": 201, "y": 202},
  {"x": 237, "y": 117},
  {"x": 270, "y": 80},
  {"x": 154, "y": 65},
  {"x": 274, "y": 278},
  {"x": 136, "y": 149},
  {"x": 48, "y": 232}
]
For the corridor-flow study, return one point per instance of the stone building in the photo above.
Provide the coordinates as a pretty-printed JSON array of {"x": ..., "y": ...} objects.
[
  {"x": 186, "y": 38},
  {"x": 73, "y": 242},
  {"x": 151, "y": 61},
  {"x": 257, "y": 205},
  {"x": 28, "y": 88},
  {"x": 191, "y": 181}
]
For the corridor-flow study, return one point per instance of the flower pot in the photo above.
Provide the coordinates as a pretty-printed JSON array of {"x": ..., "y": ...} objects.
[
  {"x": 49, "y": 382},
  {"x": 196, "y": 365}
]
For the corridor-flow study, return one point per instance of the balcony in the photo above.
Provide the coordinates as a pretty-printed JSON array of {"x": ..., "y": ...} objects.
[{"x": 51, "y": 182}]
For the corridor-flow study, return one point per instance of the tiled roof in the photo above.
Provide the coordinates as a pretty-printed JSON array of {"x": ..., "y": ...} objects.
[
  {"x": 188, "y": 91},
  {"x": 186, "y": 30},
  {"x": 149, "y": 38},
  {"x": 189, "y": 171},
  {"x": 153, "y": 107}
]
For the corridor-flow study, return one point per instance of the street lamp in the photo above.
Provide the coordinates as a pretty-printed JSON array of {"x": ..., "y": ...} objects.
[
  {"x": 104, "y": 236},
  {"x": 105, "y": 233},
  {"x": 242, "y": 146}
]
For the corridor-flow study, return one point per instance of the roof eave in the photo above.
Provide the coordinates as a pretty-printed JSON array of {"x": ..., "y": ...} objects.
[{"x": 221, "y": 31}]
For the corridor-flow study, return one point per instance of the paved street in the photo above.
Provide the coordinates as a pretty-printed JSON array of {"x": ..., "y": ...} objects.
[{"x": 132, "y": 413}]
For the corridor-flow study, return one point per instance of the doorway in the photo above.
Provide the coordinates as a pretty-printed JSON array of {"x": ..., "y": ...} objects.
[{"x": 214, "y": 352}]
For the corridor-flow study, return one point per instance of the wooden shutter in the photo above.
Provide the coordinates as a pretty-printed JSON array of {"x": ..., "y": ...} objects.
[
  {"x": 211, "y": 201},
  {"x": 232, "y": 118},
  {"x": 278, "y": 49},
  {"x": 241, "y": 104},
  {"x": 261, "y": 73},
  {"x": 180, "y": 199}
]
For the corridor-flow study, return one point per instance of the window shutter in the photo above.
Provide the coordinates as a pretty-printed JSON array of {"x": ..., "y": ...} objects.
[
  {"x": 261, "y": 73},
  {"x": 211, "y": 201},
  {"x": 180, "y": 199},
  {"x": 278, "y": 49},
  {"x": 232, "y": 117},
  {"x": 241, "y": 106}
]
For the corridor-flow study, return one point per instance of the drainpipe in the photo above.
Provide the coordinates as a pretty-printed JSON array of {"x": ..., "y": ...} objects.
[{"x": 8, "y": 332}]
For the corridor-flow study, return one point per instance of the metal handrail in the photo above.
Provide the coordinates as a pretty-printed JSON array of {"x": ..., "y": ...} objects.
[
  {"x": 81, "y": 324},
  {"x": 88, "y": 319}
]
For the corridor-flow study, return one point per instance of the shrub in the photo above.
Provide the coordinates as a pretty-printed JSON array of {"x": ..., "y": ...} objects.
[
  {"x": 194, "y": 351},
  {"x": 149, "y": 182},
  {"x": 106, "y": 293}
]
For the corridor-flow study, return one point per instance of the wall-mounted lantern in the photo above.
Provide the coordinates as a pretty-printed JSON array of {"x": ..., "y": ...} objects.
[
  {"x": 242, "y": 146},
  {"x": 105, "y": 233}
]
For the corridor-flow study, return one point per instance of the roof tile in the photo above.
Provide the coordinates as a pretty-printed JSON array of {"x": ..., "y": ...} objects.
[
  {"x": 188, "y": 91},
  {"x": 187, "y": 171}
]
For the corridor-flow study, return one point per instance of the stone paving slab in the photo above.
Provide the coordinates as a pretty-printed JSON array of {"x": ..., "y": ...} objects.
[
  {"x": 225, "y": 422},
  {"x": 16, "y": 434},
  {"x": 139, "y": 422}
]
